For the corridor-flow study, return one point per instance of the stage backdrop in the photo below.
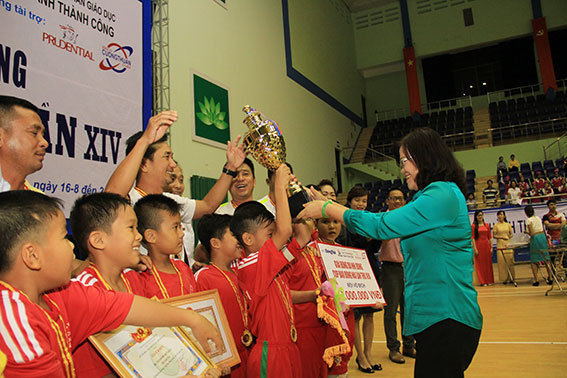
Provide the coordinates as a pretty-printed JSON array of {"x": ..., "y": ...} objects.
[{"x": 80, "y": 62}]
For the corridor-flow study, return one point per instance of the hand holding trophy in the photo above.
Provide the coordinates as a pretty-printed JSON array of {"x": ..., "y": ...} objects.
[{"x": 265, "y": 143}]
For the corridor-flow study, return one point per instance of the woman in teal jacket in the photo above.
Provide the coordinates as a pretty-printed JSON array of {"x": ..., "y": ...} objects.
[{"x": 442, "y": 310}]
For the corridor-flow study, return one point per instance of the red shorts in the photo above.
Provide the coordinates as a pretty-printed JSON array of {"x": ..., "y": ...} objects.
[
  {"x": 269, "y": 359},
  {"x": 311, "y": 347}
]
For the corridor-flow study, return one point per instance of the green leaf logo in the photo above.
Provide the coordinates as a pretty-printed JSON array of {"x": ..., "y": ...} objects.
[{"x": 211, "y": 114}]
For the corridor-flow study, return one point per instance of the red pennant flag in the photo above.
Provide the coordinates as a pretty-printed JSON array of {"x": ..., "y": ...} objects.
[
  {"x": 544, "y": 53},
  {"x": 411, "y": 77}
]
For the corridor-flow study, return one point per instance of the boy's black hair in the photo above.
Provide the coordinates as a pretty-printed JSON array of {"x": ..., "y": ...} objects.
[
  {"x": 94, "y": 212},
  {"x": 212, "y": 226},
  {"x": 271, "y": 173},
  {"x": 529, "y": 210},
  {"x": 7, "y": 104},
  {"x": 23, "y": 214},
  {"x": 147, "y": 211},
  {"x": 551, "y": 201},
  {"x": 149, "y": 154},
  {"x": 248, "y": 217}
]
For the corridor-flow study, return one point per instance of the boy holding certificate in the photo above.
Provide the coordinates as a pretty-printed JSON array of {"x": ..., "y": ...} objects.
[
  {"x": 159, "y": 222},
  {"x": 104, "y": 227},
  {"x": 264, "y": 274},
  {"x": 44, "y": 316},
  {"x": 221, "y": 248}
]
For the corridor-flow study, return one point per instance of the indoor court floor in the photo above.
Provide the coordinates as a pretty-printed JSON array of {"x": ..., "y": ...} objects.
[{"x": 524, "y": 334}]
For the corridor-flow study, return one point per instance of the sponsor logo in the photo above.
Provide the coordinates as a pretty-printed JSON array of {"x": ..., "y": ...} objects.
[
  {"x": 116, "y": 58},
  {"x": 330, "y": 251},
  {"x": 68, "y": 42}
]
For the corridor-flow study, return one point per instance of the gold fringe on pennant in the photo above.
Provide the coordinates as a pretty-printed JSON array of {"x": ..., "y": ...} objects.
[{"x": 331, "y": 317}]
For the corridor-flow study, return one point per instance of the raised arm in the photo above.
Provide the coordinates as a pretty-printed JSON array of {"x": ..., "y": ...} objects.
[
  {"x": 283, "y": 231},
  {"x": 125, "y": 174},
  {"x": 234, "y": 158}
]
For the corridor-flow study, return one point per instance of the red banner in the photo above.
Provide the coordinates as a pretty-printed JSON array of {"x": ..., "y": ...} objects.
[
  {"x": 544, "y": 53},
  {"x": 411, "y": 77}
]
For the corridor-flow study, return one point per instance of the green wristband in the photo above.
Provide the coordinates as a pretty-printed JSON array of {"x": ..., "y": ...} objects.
[{"x": 323, "y": 208}]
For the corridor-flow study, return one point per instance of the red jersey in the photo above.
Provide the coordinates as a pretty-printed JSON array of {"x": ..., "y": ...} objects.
[
  {"x": 257, "y": 274},
  {"x": 211, "y": 277},
  {"x": 89, "y": 363},
  {"x": 556, "y": 182},
  {"x": 265, "y": 277},
  {"x": 168, "y": 285},
  {"x": 539, "y": 183},
  {"x": 555, "y": 219},
  {"x": 302, "y": 277},
  {"x": 30, "y": 335}
]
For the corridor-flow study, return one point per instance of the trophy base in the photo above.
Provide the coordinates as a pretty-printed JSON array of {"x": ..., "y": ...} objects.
[{"x": 296, "y": 202}]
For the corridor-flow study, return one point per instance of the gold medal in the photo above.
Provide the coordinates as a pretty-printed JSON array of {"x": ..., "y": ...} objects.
[
  {"x": 246, "y": 338},
  {"x": 293, "y": 333}
]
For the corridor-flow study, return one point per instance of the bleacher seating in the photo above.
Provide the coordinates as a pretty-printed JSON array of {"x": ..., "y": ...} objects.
[
  {"x": 537, "y": 115},
  {"x": 455, "y": 124}
]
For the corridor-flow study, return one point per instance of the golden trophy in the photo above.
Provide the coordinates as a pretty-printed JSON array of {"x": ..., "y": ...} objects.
[{"x": 265, "y": 143}]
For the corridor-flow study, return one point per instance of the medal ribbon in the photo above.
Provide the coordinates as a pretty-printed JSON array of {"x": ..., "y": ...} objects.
[
  {"x": 315, "y": 269},
  {"x": 243, "y": 306},
  {"x": 286, "y": 299},
  {"x": 106, "y": 285},
  {"x": 159, "y": 281}
]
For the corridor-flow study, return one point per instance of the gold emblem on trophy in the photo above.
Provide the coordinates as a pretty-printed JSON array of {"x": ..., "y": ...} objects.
[{"x": 265, "y": 143}]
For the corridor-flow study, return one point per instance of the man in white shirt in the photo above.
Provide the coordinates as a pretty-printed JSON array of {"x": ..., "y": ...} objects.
[
  {"x": 22, "y": 145},
  {"x": 241, "y": 189},
  {"x": 269, "y": 199}
]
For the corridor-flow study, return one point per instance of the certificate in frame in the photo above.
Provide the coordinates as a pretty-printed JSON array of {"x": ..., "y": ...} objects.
[
  {"x": 141, "y": 352},
  {"x": 208, "y": 304}
]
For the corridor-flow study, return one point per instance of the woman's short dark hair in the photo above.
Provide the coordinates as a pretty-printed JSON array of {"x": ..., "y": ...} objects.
[
  {"x": 356, "y": 191},
  {"x": 433, "y": 158}
]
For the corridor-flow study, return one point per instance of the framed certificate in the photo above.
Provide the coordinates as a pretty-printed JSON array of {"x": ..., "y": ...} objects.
[
  {"x": 352, "y": 270},
  {"x": 208, "y": 304},
  {"x": 151, "y": 352}
]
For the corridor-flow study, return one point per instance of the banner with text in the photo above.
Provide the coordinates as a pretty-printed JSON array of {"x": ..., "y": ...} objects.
[
  {"x": 351, "y": 269},
  {"x": 80, "y": 62}
]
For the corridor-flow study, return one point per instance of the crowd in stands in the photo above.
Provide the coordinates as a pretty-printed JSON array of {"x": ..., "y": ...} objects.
[{"x": 520, "y": 183}]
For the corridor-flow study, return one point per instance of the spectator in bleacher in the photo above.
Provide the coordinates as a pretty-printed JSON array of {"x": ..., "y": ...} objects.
[
  {"x": 514, "y": 194},
  {"x": 563, "y": 188},
  {"x": 538, "y": 243},
  {"x": 524, "y": 185},
  {"x": 490, "y": 194},
  {"x": 556, "y": 181},
  {"x": 501, "y": 165},
  {"x": 547, "y": 191},
  {"x": 471, "y": 202},
  {"x": 513, "y": 164},
  {"x": 534, "y": 195},
  {"x": 327, "y": 189},
  {"x": 539, "y": 181}
]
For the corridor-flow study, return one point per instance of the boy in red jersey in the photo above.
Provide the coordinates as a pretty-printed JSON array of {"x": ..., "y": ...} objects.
[
  {"x": 222, "y": 249},
  {"x": 159, "y": 222},
  {"x": 43, "y": 317},
  {"x": 264, "y": 275},
  {"x": 104, "y": 227}
]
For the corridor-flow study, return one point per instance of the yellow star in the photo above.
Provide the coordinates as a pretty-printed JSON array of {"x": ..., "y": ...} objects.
[{"x": 410, "y": 62}]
